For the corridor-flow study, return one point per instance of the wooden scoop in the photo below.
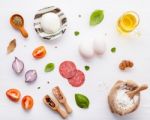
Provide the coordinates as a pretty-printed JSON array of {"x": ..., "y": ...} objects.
[
  {"x": 61, "y": 98},
  {"x": 131, "y": 94},
  {"x": 54, "y": 106},
  {"x": 17, "y": 22}
]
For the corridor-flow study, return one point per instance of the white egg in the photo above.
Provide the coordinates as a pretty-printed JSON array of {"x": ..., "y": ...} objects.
[
  {"x": 50, "y": 23},
  {"x": 99, "y": 46},
  {"x": 86, "y": 49}
]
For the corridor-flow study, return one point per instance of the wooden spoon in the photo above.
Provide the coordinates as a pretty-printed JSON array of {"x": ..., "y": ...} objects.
[
  {"x": 17, "y": 22},
  {"x": 131, "y": 94},
  {"x": 54, "y": 106},
  {"x": 61, "y": 98}
]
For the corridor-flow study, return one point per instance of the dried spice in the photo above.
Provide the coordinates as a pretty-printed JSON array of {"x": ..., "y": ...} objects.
[
  {"x": 125, "y": 64},
  {"x": 50, "y": 102},
  {"x": 79, "y": 16},
  {"x": 38, "y": 87},
  {"x": 11, "y": 47},
  {"x": 17, "y": 21}
]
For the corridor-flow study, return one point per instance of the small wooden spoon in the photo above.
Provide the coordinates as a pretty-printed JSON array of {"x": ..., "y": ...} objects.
[
  {"x": 131, "y": 94},
  {"x": 54, "y": 106},
  {"x": 17, "y": 22},
  {"x": 61, "y": 98}
]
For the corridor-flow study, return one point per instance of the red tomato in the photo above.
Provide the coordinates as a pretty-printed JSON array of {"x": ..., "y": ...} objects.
[
  {"x": 13, "y": 95},
  {"x": 39, "y": 52},
  {"x": 27, "y": 102}
]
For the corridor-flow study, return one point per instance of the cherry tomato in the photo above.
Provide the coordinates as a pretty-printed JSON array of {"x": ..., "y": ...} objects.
[
  {"x": 13, "y": 95},
  {"x": 27, "y": 102},
  {"x": 39, "y": 52}
]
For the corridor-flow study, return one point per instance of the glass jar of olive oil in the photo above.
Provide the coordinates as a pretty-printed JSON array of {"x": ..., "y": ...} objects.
[{"x": 128, "y": 22}]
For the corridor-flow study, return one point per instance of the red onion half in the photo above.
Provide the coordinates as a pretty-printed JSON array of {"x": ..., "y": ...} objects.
[
  {"x": 17, "y": 66},
  {"x": 30, "y": 76}
]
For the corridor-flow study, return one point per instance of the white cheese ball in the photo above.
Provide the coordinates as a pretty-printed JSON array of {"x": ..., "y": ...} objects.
[
  {"x": 99, "y": 46},
  {"x": 50, "y": 23},
  {"x": 86, "y": 49}
]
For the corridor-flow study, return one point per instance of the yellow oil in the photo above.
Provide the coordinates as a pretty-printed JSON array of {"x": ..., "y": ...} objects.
[{"x": 127, "y": 22}]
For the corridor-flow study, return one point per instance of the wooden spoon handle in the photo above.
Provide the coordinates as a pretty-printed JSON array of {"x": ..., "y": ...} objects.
[
  {"x": 62, "y": 113},
  {"x": 67, "y": 107},
  {"x": 23, "y": 32},
  {"x": 136, "y": 91}
]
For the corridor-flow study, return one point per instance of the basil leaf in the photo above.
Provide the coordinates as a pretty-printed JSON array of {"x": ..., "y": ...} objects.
[
  {"x": 96, "y": 17},
  {"x": 82, "y": 101},
  {"x": 49, "y": 67}
]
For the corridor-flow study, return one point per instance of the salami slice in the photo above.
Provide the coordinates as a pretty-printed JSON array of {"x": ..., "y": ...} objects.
[
  {"x": 67, "y": 69},
  {"x": 78, "y": 79}
]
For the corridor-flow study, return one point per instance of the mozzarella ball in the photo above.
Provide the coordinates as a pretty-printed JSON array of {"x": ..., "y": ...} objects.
[
  {"x": 50, "y": 23},
  {"x": 86, "y": 49},
  {"x": 99, "y": 46}
]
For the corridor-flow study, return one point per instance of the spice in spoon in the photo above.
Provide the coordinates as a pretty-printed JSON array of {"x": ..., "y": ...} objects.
[{"x": 18, "y": 20}]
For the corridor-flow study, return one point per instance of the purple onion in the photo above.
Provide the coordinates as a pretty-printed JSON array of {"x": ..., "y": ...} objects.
[
  {"x": 30, "y": 76},
  {"x": 17, "y": 65}
]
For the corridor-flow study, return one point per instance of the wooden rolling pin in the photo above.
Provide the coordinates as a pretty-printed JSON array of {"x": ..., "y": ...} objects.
[
  {"x": 61, "y": 98},
  {"x": 54, "y": 106},
  {"x": 131, "y": 94}
]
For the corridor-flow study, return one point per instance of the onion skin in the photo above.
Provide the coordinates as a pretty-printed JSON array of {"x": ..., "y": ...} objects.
[
  {"x": 17, "y": 66},
  {"x": 30, "y": 76}
]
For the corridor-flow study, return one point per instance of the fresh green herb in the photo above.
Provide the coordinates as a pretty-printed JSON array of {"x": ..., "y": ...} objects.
[
  {"x": 38, "y": 87},
  {"x": 96, "y": 17},
  {"x": 49, "y": 67},
  {"x": 87, "y": 68},
  {"x": 113, "y": 50},
  {"x": 76, "y": 33},
  {"x": 82, "y": 101}
]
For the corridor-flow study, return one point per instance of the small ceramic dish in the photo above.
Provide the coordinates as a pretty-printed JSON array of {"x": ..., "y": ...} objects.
[{"x": 37, "y": 23}]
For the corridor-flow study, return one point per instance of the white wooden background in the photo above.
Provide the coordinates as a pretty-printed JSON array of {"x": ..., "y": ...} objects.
[{"x": 104, "y": 70}]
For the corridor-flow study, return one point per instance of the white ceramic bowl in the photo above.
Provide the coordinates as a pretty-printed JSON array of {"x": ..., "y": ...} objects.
[{"x": 37, "y": 23}]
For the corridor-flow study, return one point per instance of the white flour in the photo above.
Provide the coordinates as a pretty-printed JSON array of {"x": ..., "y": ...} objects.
[{"x": 123, "y": 100}]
